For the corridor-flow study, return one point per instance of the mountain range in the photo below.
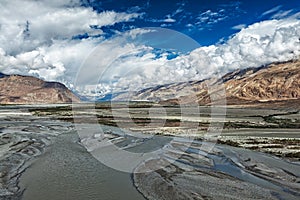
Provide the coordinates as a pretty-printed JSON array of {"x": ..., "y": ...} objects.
[{"x": 276, "y": 82}]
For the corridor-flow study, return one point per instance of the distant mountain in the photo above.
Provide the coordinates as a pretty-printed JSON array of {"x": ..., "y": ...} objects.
[
  {"x": 17, "y": 89},
  {"x": 271, "y": 83}
]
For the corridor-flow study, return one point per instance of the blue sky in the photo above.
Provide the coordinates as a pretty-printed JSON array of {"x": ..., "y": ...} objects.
[
  {"x": 208, "y": 22},
  {"x": 112, "y": 46}
]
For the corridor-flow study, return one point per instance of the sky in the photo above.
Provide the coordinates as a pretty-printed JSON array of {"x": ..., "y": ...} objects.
[{"x": 101, "y": 47}]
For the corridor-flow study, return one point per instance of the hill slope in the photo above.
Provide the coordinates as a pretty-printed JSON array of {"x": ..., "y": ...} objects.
[{"x": 16, "y": 89}]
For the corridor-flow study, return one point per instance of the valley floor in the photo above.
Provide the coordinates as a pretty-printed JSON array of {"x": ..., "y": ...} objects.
[
  {"x": 274, "y": 131},
  {"x": 195, "y": 170}
]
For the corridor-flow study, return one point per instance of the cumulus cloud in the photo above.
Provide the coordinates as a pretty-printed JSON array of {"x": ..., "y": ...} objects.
[
  {"x": 36, "y": 37},
  {"x": 256, "y": 45}
]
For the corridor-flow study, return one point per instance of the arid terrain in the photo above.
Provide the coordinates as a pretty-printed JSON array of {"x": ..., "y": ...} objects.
[
  {"x": 277, "y": 83},
  {"x": 195, "y": 161},
  {"x": 16, "y": 89}
]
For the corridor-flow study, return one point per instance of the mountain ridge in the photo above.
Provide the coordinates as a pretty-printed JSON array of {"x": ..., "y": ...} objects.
[
  {"x": 20, "y": 89},
  {"x": 278, "y": 81}
]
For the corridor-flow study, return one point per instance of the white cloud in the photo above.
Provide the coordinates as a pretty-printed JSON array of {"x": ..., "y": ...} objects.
[
  {"x": 239, "y": 27},
  {"x": 137, "y": 32},
  {"x": 276, "y": 13},
  {"x": 36, "y": 36},
  {"x": 282, "y": 14},
  {"x": 272, "y": 10},
  {"x": 60, "y": 3},
  {"x": 209, "y": 17},
  {"x": 43, "y": 23},
  {"x": 179, "y": 10},
  {"x": 256, "y": 45},
  {"x": 169, "y": 19}
]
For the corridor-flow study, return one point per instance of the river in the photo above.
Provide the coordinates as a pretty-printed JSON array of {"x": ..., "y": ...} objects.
[{"x": 67, "y": 171}]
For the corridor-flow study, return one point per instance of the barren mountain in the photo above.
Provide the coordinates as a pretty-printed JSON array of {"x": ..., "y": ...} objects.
[
  {"x": 16, "y": 89},
  {"x": 276, "y": 82}
]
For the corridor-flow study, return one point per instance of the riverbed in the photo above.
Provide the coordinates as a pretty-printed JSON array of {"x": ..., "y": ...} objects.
[
  {"x": 67, "y": 171},
  {"x": 43, "y": 157}
]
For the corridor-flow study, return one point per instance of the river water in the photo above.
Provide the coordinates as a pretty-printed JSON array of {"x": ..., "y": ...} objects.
[{"x": 68, "y": 171}]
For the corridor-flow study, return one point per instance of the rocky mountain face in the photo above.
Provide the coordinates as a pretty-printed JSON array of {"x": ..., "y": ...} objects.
[
  {"x": 274, "y": 82},
  {"x": 16, "y": 89}
]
